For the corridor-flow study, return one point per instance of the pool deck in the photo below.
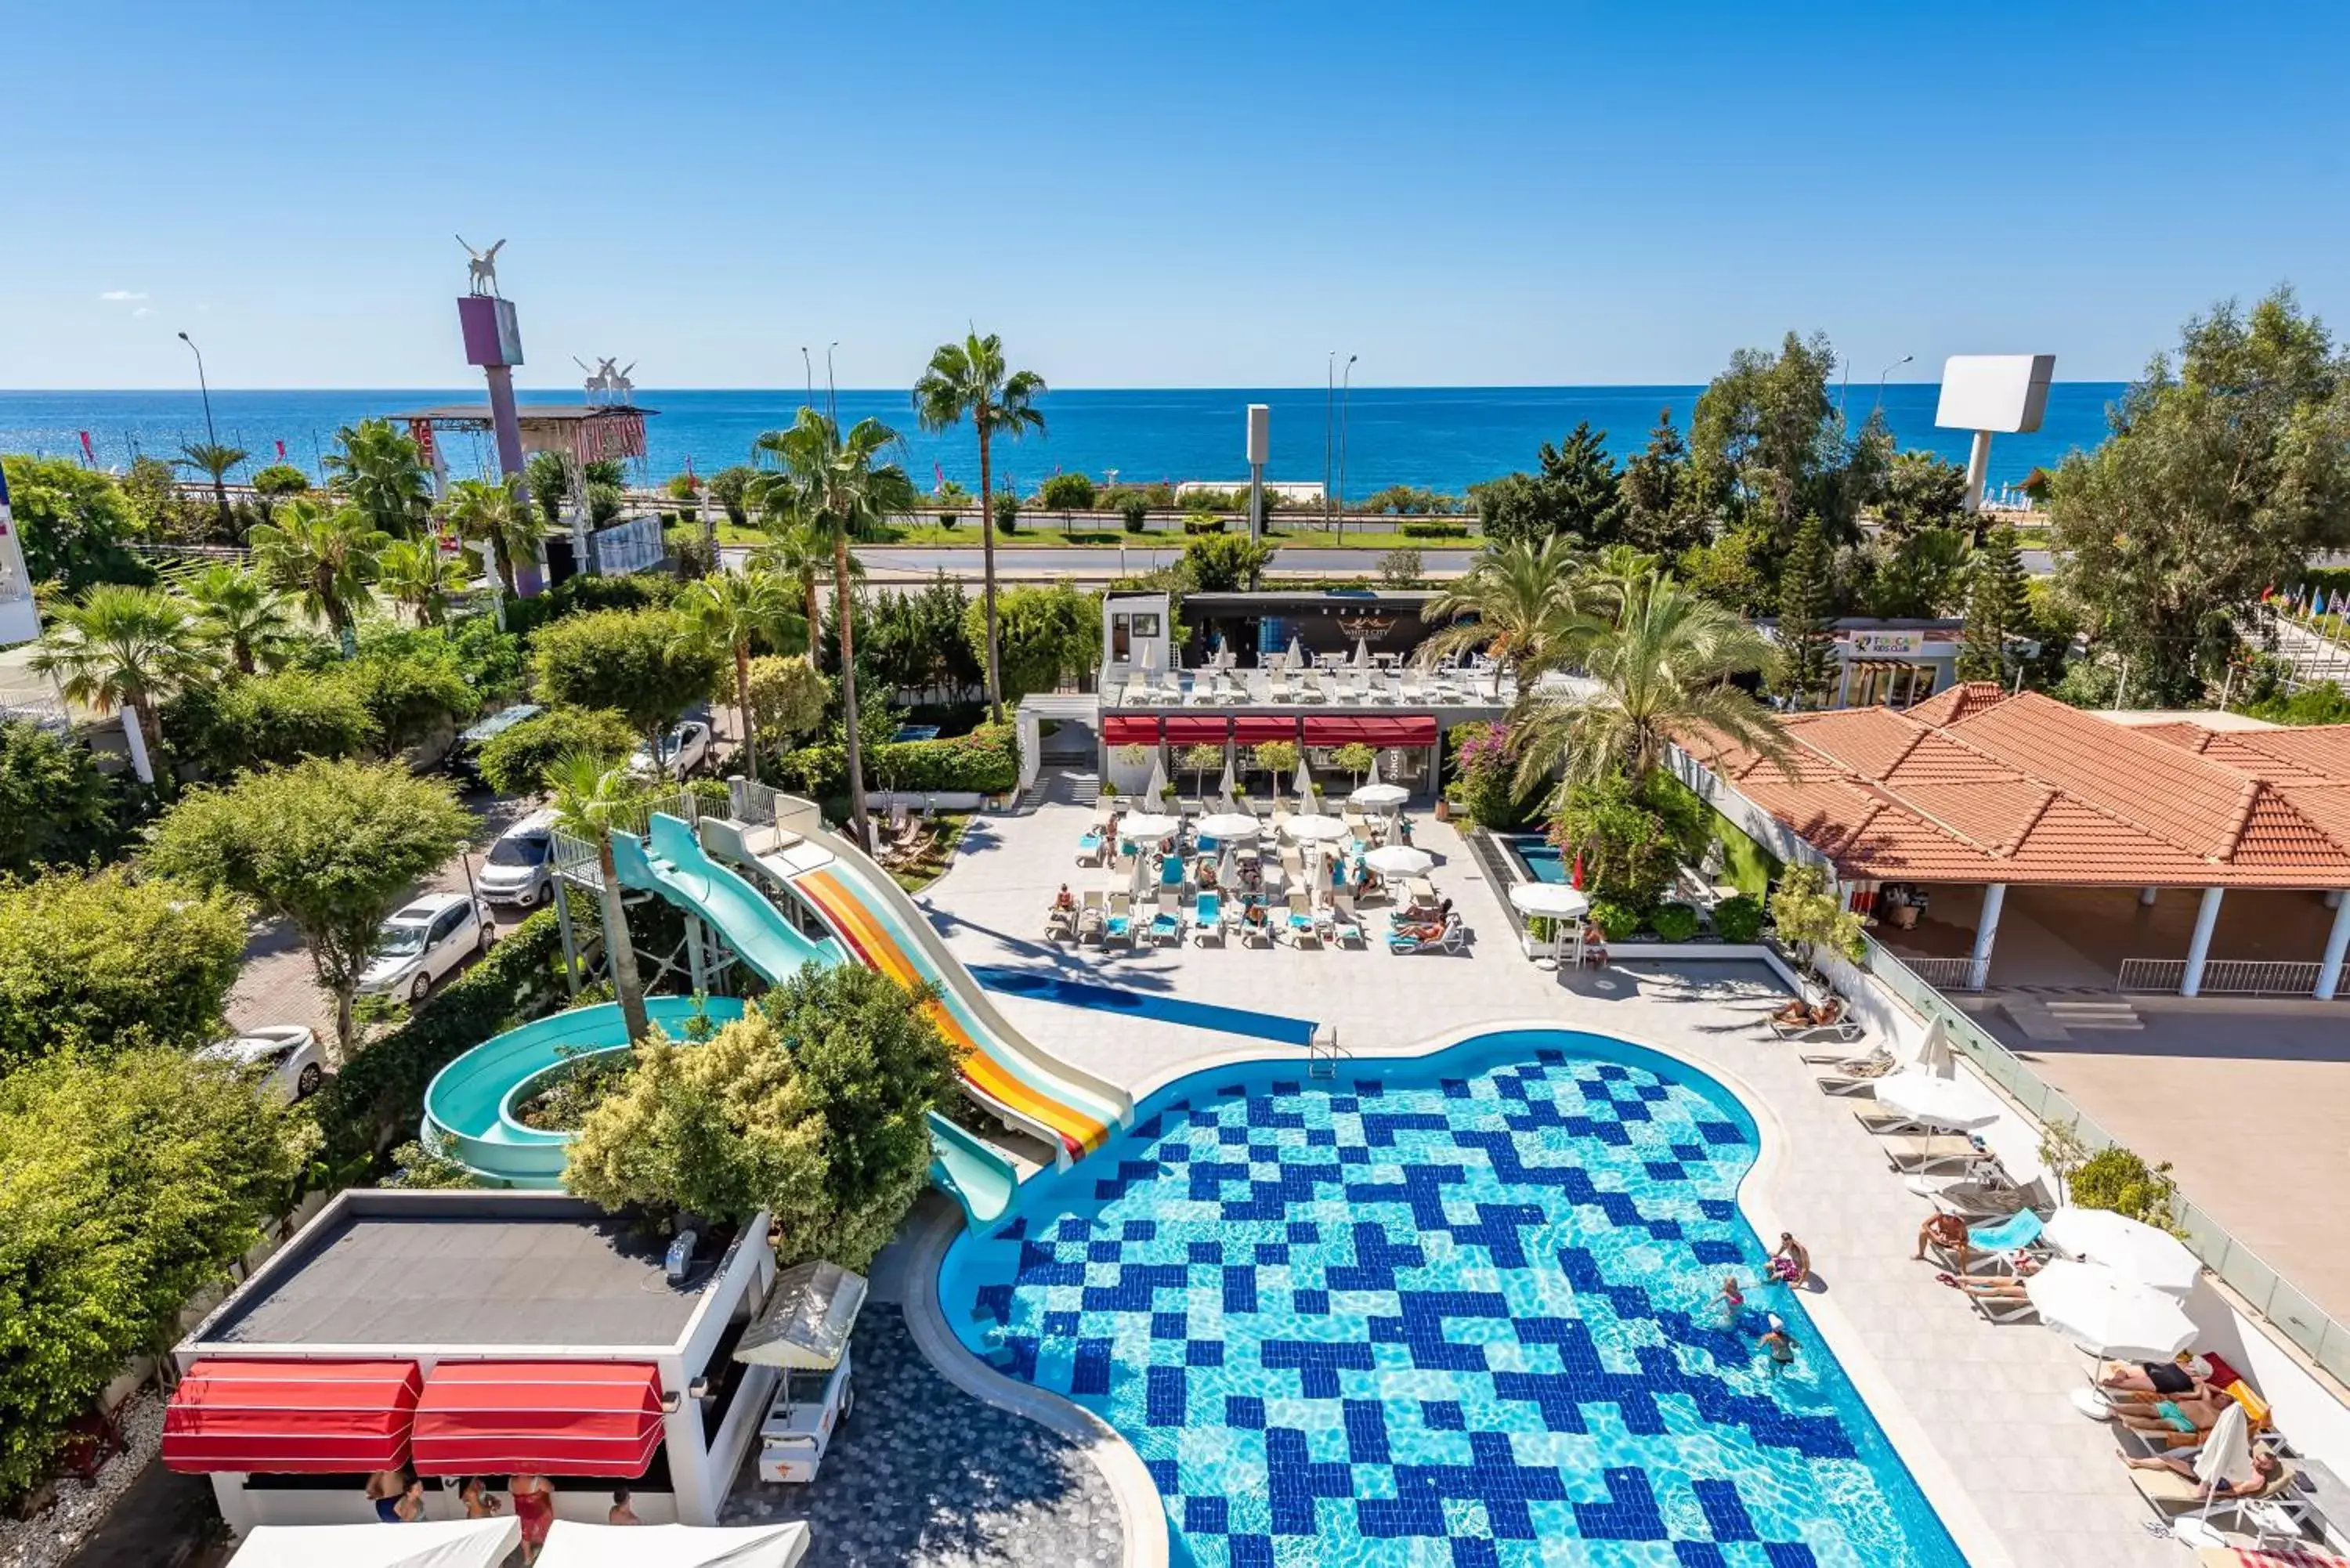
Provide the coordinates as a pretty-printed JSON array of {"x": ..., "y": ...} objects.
[{"x": 1979, "y": 1411}]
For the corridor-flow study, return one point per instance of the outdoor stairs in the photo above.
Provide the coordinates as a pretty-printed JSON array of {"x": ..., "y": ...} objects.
[
  {"x": 1060, "y": 786},
  {"x": 2054, "y": 1018}
]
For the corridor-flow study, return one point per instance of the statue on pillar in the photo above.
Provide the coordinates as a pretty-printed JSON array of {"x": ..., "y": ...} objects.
[{"x": 481, "y": 272}]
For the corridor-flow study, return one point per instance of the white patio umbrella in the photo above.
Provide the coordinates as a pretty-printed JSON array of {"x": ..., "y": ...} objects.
[
  {"x": 1144, "y": 826},
  {"x": 1225, "y": 790},
  {"x": 1957, "y": 1104},
  {"x": 1554, "y": 901},
  {"x": 1309, "y": 827},
  {"x": 1403, "y": 860},
  {"x": 2106, "y": 1315},
  {"x": 426, "y": 1543},
  {"x": 1934, "y": 1050},
  {"x": 1295, "y": 657},
  {"x": 1229, "y": 826},
  {"x": 1304, "y": 781},
  {"x": 2130, "y": 1248},
  {"x": 1157, "y": 789},
  {"x": 571, "y": 1544},
  {"x": 1371, "y": 780},
  {"x": 2226, "y": 1456},
  {"x": 1362, "y": 654},
  {"x": 1380, "y": 796}
]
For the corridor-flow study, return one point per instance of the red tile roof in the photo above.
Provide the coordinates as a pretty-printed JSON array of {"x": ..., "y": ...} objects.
[{"x": 1975, "y": 785}]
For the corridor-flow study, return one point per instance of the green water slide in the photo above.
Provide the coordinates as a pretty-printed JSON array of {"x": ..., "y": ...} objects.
[
  {"x": 675, "y": 865},
  {"x": 972, "y": 1171}
]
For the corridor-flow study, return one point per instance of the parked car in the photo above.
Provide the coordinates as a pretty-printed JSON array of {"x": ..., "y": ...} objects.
[
  {"x": 465, "y": 756},
  {"x": 520, "y": 866},
  {"x": 683, "y": 750},
  {"x": 285, "y": 1054},
  {"x": 424, "y": 942}
]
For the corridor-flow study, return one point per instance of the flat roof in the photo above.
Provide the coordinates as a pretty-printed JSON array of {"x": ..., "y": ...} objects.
[
  {"x": 525, "y": 412},
  {"x": 404, "y": 1271}
]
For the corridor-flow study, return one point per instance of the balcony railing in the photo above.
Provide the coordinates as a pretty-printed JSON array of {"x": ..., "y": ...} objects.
[
  {"x": 1943, "y": 973},
  {"x": 2222, "y": 976},
  {"x": 2300, "y": 1320},
  {"x": 1124, "y": 687}
]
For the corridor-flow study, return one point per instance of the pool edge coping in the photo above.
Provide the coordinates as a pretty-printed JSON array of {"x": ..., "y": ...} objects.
[{"x": 1969, "y": 1529}]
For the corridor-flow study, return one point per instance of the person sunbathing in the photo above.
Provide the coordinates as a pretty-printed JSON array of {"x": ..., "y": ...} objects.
[
  {"x": 2166, "y": 1418},
  {"x": 2180, "y": 1375},
  {"x": 1064, "y": 900},
  {"x": 2266, "y": 1468},
  {"x": 1796, "y": 1012},
  {"x": 1995, "y": 1287}
]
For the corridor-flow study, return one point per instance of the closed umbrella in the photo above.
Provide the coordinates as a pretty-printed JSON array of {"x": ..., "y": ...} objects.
[
  {"x": 1225, "y": 790},
  {"x": 1371, "y": 781},
  {"x": 1362, "y": 654},
  {"x": 1296, "y": 658},
  {"x": 1934, "y": 1050},
  {"x": 1304, "y": 781},
  {"x": 1957, "y": 1104},
  {"x": 2226, "y": 1456},
  {"x": 1554, "y": 901},
  {"x": 2130, "y": 1248},
  {"x": 1157, "y": 790},
  {"x": 1310, "y": 828},
  {"x": 1403, "y": 860}
]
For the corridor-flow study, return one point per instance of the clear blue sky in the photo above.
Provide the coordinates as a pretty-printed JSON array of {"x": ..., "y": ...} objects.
[{"x": 1183, "y": 194}]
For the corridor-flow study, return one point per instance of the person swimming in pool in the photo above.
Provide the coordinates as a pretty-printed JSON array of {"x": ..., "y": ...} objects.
[
  {"x": 1733, "y": 1298},
  {"x": 1781, "y": 1345}
]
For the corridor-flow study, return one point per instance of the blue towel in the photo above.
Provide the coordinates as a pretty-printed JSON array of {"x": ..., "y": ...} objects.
[{"x": 2018, "y": 1230}]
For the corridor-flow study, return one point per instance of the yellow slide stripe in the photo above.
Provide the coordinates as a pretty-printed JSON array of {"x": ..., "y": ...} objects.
[{"x": 881, "y": 951}]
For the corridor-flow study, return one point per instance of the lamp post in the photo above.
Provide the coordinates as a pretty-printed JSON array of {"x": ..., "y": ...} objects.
[
  {"x": 1887, "y": 371},
  {"x": 808, "y": 365},
  {"x": 1329, "y": 429},
  {"x": 210, "y": 434},
  {"x": 1345, "y": 408},
  {"x": 831, "y": 392}
]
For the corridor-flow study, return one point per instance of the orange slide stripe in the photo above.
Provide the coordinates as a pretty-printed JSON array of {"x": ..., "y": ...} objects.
[{"x": 881, "y": 951}]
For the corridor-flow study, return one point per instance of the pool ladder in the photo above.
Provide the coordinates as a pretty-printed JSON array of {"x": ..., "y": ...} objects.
[{"x": 1323, "y": 1052}]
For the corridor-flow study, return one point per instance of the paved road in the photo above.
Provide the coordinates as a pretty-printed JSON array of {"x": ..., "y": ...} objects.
[{"x": 1100, "y": 564}]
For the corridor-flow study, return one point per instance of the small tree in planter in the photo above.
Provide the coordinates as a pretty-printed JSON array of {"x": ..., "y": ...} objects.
[
  {"x": 1809, "y": 917},
  {"x": 1200, "y": 761},
  {"x": 1132, "y": 757},
  {"x": 1278, "y": 758},
  {"x": 1355, "y": 758}
]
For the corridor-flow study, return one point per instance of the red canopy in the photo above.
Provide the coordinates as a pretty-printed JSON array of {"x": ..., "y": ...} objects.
[
  {"x": 311, "y": 1418},
  {"x": 1129, "y": 730},
  {"x": 557, "y": 1417},
  {"x": 1255, "y": 729},
  {"x": 1372, "y": 730},
  {"x": 1195, "y": 730}
]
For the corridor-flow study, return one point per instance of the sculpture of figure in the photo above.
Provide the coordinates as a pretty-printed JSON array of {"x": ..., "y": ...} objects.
[
  {"x": 618, "y": 384},
  {"x": 598, "y": 381},
  {"x": 481, "y": 272}
]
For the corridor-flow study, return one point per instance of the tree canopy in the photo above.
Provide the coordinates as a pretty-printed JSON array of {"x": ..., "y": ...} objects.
[
  {"x": 74, "y": 524},
  {"x": 1768, "y": 447},
  {"x": 1576, "y": 491},
  {"x": 1042, "y": 630},
  {"x": 648, "y": 665},
  {"x": 515, "y": 760},
  {"x": 127, "y": 1184},
  {"x": 55, "y": 807},
  {"x": 95, "y": 962},
  {"x": 2226, "y": 467},
  {"x": 812, "y": 1105},
  {"x": 331, "y": 846}
]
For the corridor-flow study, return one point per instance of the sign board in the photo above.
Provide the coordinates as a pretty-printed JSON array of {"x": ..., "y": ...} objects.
[
  {"x": 635, "y": 545},
  {"x": 1259, "y": 435},
  {"x": 2007, "y": 393},
  {"x": 493, "y": 336},
  {"x": 1887, "y": 644},
  {"x": 20, "y": 617}
]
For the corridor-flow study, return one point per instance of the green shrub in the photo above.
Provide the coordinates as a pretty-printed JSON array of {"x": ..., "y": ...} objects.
[
  {"x": 1202, "y": 522},
  {"x": 1007, "y": 512},
  {"x": 280, "y": 479},
  {"x": 1136, "y": 510},
  {"x": 55, "y": 807},
  {"x": 379, "y": 1093},
  {"x": 987, "y": 760},
  {"x": 2116, "y": 1178},
  {"x": 577, "y": 595},
  {"x": 691, "y": 556},
  {"x": 1738, "y": 920},
  {"x": 1618, "y": 920},
  {"x": 515, "y": 760},
  {"x": 1674, "y": 923},
  {"x": 1067, "y": 493},
  {"x": 266, "y": 719},
  {"x": 1415, "y": 529}
]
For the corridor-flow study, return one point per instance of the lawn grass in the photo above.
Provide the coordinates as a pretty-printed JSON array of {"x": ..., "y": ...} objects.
[{"x": 946, "y": 836}]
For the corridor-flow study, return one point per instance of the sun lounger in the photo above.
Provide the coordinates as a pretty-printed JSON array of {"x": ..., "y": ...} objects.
[
  {"x": 2169, "y": 1493},
  {"x": 1060, "y": 925},
  {"x": 1861, "y": 1082},
  {"x": 1841, "y": 1026},
  {"x": 1972, "y": 1197},
  {"x": 1419, "y": 893},
  {"x": 1089, "y": 916},
  {"x": 1089, "y": 849},
  {"x": 2001, "y": 1309},
  {"x": 1345, "y": 926},
  {"x": 1300, "y": 922},
  {"x": 1208, "y": 917},
  {"x": 1279, "y": 692},
  {"x": 1925, "y": 1151},
  {"x": 1119, "y": 925},
  {"x": 1166, "y": 926}
]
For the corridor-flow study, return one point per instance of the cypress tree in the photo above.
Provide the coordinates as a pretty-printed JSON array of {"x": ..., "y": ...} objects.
[
  {"x": 1998, "y": 608},
  {"x": 1806, "y": 641}
]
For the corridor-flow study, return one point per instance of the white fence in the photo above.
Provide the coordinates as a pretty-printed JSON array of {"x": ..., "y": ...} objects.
[
  {"x": 1944, "y": 974},
  {"x": 2222, "y": 976}
]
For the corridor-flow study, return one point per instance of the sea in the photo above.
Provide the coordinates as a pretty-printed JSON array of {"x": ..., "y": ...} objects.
[{"x": 1439, "y": 438}]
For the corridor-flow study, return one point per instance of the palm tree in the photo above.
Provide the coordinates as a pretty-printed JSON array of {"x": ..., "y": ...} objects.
[
  {"x": 846, "y": 492},
  {"x": 415, "y": 573},
  {"x": 1662, "y": 667},
  {"x": 382, "y": 473},
  {"x": 589, "y": 792},
  {"x": 1523, "y": 597},
  {"x": 798, "y": 550},
  {"x": 969, "y": 379},
  {"x": 329, "y": 557},
  {"x": 736, "y": 609},
  {"x": 128, "y": 648},
  {"x": 243, "y": 614},
  {"x": 497, "y": 515},
  {"x": 214, "y": 458}
]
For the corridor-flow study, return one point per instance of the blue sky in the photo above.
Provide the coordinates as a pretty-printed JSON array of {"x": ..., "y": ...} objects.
[{"x": 1193, "y": 195}]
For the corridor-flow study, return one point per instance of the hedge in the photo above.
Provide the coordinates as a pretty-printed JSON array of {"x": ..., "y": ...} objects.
[
  {"x": 986, "y": 761},
  {"x": 379, "y": 1093},
  {"x": 1738, "y": 920},
  {"x": 1416, "y": 530},
  {"x": 631, "y": 590},
  {"x": 1674, "y": 923}
]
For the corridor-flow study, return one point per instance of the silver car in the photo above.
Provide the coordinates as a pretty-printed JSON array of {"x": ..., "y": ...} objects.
[
  {"x": 520, "y": 866},
  {"x": 424, "y": 941},
  {"x": 285, "y": 1055}
]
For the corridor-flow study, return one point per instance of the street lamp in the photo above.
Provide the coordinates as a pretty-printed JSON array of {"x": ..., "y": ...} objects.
[
  {"x": 1329, "y": 429},
  {"x": 210, "y": 435},
  {"x": 809, "y": 365},
  {"x": 1345, "y": 406},
  {"x": 831, "y": 393},
  {"x": 1887, "y": 371}
]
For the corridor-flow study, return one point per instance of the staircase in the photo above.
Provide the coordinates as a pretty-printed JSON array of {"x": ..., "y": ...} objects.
[
  {"x": 2054, "y": 1018},
  {"x": 1060, "y": 786}
]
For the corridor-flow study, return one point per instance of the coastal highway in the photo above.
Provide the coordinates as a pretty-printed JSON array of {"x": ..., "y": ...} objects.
[{"x": 1092, "y": 565}]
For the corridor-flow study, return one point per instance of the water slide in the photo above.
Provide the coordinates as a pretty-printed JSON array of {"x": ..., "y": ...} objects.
[
  {"x": 471, "y": 1100},
  {"x": 675, "y": 865}
]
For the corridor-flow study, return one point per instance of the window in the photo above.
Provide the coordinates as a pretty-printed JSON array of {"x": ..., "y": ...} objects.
[
  {"x": 447, "y": 921},
  {"x": 1146, "y": 625},
  {"x": 1121, "y": 637}
]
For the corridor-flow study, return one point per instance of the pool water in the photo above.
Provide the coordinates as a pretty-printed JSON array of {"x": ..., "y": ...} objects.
[
  {"x": 1457, "y": 1310},
  {"x": 1539, "y": 855}
]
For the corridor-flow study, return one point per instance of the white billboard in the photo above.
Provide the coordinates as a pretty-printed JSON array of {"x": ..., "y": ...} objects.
[
  {"x": 20, "y": 617},
  {"x": 2003, "y": 392}
]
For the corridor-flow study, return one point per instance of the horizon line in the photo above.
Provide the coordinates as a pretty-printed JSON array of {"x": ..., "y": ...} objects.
[{"x": 861, "y": 391}]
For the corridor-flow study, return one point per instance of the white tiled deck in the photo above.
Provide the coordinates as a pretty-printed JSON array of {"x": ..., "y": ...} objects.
[{"x": 1980, "y": 1411}]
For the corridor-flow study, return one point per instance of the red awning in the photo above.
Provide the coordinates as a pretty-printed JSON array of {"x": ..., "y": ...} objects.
[
  {"x": 1255, "y": 729},
  {"x": 1372, "y": 730},
  {"x": 312, "y": 1417},
  {"x": 1195, "y": 730},
  {"x": 1129, "y": 730},
  {"x": 555, "y": 1418}
]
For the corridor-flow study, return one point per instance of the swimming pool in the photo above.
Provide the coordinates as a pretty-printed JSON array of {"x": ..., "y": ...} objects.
[
  {"x": 1452, "y": 1310},
  {"x": 1539, "y": 855}
]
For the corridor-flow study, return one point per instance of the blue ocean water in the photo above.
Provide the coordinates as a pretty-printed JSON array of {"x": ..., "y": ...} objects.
[
  {"x": 1451, "y": 1311},
  {"x": 1444, "y": 438}
]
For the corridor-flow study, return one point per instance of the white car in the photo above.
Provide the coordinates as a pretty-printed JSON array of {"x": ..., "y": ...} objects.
[
  {"x": 683, "y": 750},
  {"x": 520, "y": 866},
  {"x": 424, "y": 941},
  {"x": 285, "y": 1054}
]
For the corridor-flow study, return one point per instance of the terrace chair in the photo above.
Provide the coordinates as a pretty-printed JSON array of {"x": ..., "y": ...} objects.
[
  {"x": 1119, "y": 925},
  {"x": 1346, "y": 925},
  {"x": 1166, "y": 926},
  {"x": 1060, "y": 925},
  {"x": 1208, "y": 917},
  {"x": 1861, "y": 1080},
  {"x": 1255, "y": 931},
  {"x": 1302, "y": 925},
  {"x": 1170, "y": 874},
  {"x": 1089, "y": 848},
  {"x": 2169, "y": 1493},
  {"x": 1916, "y": 1152},
  {"x": 1278, "y": 690},
  {"x": 1412, "y": 691},
  {"x": 1089, "y": 917}
]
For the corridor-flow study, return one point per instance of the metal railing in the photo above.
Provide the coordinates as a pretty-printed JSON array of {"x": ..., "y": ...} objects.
[
  {"x": 576, "y": 857},
  {"x": 1943, "y": 973},
  {"x": 2222, "y": 976},
  {"x": 2288, "y": 1309}
]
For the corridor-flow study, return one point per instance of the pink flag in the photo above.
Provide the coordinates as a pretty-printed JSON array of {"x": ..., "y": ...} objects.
[
  {"x": 87, "y": 456},
  {"x": 281, "y": 449}
]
